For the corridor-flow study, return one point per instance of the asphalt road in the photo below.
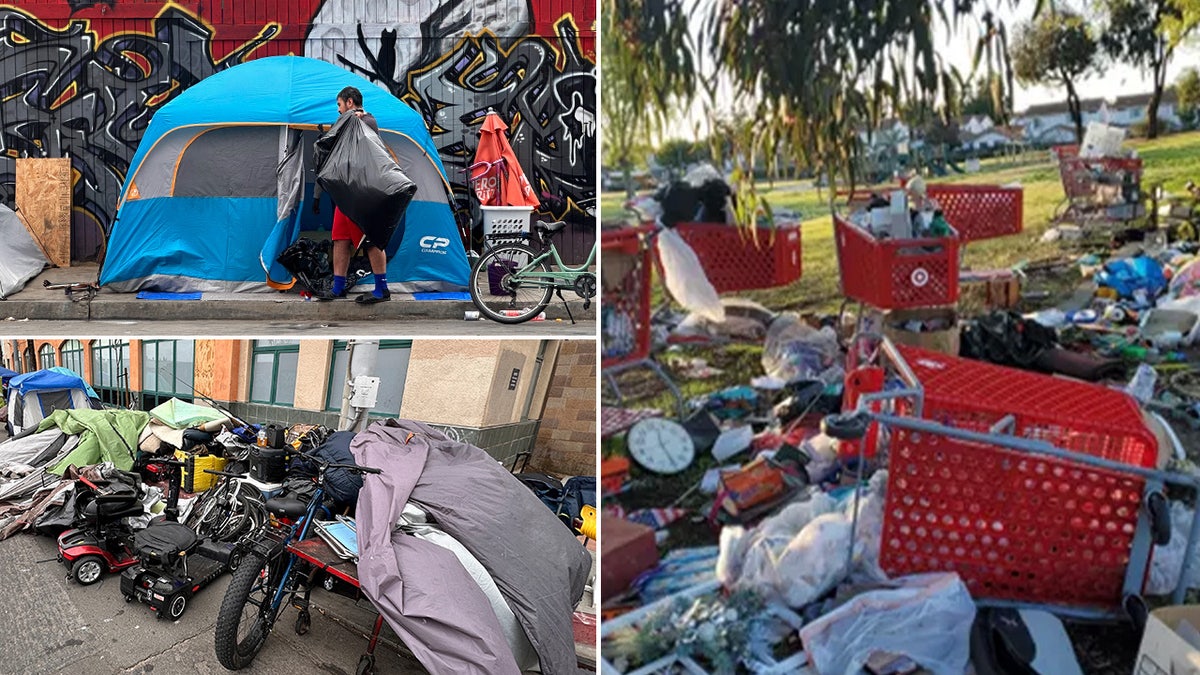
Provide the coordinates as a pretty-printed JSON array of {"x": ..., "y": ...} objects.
[
  {"x": 51, "y": 625},
  {"x": 209, "y": 328}
]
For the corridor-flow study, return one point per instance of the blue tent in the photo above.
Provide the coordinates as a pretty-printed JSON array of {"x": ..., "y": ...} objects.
[
  {"x": 222, "y": 182},
  {"x": 6, "y": 375},
  {"x": 33, "y": 396}
]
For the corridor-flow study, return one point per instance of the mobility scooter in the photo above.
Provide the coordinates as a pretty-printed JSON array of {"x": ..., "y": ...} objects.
[
  {"x": 172, "y": 562},
  {"x": 102, "y": 544}
]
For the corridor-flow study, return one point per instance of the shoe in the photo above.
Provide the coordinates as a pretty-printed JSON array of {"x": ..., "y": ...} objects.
[
  {"x": 325, "y": 297},
  {"x": 370, "y": 299}
]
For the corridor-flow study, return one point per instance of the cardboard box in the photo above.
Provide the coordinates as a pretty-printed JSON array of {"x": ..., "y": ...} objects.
[
  {"x": 1164, "y": 649},
  {"x": 629, "y": 549},
  {"x": 945, "y": 341}
]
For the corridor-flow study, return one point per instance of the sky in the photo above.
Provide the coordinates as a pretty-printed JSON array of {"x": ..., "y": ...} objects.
[{"x": 958, "y": 47}]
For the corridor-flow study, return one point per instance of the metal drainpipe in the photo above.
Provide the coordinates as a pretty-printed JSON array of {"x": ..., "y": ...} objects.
[
  {"x": 533, "y": 382},
  {"x": 360, "y": 361}
]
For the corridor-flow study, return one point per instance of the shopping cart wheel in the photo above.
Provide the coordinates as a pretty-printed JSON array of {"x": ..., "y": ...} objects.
[
  {"x": 845, "y": 426},
  {"x": 1138, "y": 612},
  {"x": 366, "y": 665},
  {"x": 1160, "y": 518}
]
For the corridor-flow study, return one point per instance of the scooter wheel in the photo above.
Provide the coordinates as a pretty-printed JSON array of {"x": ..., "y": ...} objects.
[
  {"x": 87, "y": 570},
  {"x": 175, "y": 609},
  {"x": 128, "y": 598},
  {"x": 366, "y": 665}
]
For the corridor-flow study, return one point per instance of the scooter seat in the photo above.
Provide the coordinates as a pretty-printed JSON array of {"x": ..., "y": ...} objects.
[
  {"x": 165, "y": 542},
  {"x": 286, "y": 507},
  {"x": 107, "y": 511}
]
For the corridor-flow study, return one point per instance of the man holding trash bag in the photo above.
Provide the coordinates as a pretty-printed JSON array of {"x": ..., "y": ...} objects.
[{"x": 369, "y": 191}]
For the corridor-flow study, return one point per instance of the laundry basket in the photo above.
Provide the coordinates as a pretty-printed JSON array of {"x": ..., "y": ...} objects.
[{"x": 506, "y": 220}]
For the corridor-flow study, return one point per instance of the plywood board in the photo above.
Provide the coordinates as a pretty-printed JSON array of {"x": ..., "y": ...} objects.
[{"x": 44, "y": 197}]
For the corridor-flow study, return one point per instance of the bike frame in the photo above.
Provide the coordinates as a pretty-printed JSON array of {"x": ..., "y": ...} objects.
[
  {"x": 303, "y": 526},
  {"x": 564, "y": 272}
]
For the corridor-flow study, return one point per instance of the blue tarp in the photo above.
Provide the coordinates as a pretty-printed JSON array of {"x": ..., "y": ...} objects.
[
  {"x": 188, "y": 243},
  {"x": 49, "y": 380}
]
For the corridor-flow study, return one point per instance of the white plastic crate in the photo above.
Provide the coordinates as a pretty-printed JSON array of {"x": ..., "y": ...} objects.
[{"x": 501, "y": 220}]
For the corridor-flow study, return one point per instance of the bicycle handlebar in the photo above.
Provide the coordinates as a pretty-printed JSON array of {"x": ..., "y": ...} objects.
[{"x": 334, "y": 465}]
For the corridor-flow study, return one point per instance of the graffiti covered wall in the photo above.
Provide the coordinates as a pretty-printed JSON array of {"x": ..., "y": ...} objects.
[{"x": 81, "y": 78}]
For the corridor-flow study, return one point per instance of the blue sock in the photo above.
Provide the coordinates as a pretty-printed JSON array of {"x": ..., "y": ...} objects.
[
  {"x": 381, "y": 288},
  {"x": 339, "y": 285}
]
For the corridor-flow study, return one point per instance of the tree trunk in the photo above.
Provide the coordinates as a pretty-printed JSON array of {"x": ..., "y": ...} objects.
[
  {"x": 1074, "y": 106},
  {"x": 627, "y": 171},
  {"x": 1152, "y": 113}
]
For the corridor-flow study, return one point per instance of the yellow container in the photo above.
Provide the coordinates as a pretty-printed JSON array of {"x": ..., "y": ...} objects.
[{"x": 194, "y": 477}]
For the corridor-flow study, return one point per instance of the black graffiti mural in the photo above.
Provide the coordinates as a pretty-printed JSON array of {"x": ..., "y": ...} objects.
[
  {"x": 546, "y": 86},
  {"x": 65, "y": 93}
]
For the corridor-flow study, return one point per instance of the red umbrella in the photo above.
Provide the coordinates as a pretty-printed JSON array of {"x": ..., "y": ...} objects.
[{"x": 496, "y": 175}]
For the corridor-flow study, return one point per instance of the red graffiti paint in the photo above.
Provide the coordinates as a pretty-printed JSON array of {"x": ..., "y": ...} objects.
[{"x": 233, "y": 23}]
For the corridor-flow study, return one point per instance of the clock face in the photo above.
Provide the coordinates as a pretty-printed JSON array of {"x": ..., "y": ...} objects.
[{"x": 661, "y": 446}]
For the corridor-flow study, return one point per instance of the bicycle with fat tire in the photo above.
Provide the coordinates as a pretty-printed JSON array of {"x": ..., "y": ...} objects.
[{"x": 270, "y": 573}]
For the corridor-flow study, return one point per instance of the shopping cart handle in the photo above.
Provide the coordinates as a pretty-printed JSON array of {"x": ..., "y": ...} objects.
[{"x": 845, "y": 426}]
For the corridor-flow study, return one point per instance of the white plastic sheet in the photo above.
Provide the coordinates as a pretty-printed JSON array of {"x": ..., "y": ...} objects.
[
  {"x": 1167, "y": 561},
  {"x": 685, "y": 280},
  {"x": 799, "y": 554},
  {"x": 926, "y": 617},
  {"x": 23, "y": 260}
]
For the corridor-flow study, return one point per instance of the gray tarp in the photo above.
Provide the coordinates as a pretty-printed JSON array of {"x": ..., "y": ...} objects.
[
  {"x": 23, "y": 260},
  {"x": 540, "y": 568},
  {"x": 414, "y": 521}
]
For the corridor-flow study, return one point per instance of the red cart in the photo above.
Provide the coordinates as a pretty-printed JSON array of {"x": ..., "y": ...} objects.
[
  {"x": 922, "y": 272},
  {"x": 1035, "y": 490},
  {"x": 1098, "y": 190},
  {"x": 625, "y": 306},
  {"x": 736, "y": 260}
]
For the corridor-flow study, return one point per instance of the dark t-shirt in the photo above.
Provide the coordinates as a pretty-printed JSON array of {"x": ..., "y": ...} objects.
[{"x": 370, "y": 120}]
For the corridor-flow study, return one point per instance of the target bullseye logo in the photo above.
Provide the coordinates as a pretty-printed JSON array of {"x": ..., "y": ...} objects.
[{"x": 919, "y": 277}]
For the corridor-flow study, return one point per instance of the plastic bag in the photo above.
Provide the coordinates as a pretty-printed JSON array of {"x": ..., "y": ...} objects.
[
  {"x": 926, "y": 617},
  {"x": 1167, "y": 561},
  {"x": 795, "y": 351},
  {"x": 685, "y": 278},
  {"x": 794, "y": 556},
  {"x": 357, "y": 170}
]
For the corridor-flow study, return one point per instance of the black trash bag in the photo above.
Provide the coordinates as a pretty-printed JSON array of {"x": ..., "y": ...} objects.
[
  {"x": 1006, "y": 339},
  {"x": 547, "y": 488},
  {"x": 577, "y": 491},
  {"x": 342, "y": 485},
  {"x": 57, "y": 519},
  {"x": 311, "y": 262},
  {"x": 355, "y": 167},
  {"x": 683, "y": 203}
]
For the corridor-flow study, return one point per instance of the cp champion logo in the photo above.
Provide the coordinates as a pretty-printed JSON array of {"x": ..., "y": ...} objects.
[{"x": 431, "y": 244}]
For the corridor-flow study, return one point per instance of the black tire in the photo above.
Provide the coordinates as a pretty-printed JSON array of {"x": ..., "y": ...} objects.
[
  {"x": 845, "y": 427},
  {"x": 523, "y": 301},
  {"x": 177, "y": 607},
  {"x": 303, "y": 622},
  {"x": 366, "y": 665},
  {"x": 88, "y": 570},
  {"x": 236, "y": 652},
  {"x": 1138, "y": 612},
  {"x": 1160, "y": 518}
]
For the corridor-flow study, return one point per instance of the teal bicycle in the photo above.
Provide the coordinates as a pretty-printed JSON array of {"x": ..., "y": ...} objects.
[{"x": 512, "y": 282}]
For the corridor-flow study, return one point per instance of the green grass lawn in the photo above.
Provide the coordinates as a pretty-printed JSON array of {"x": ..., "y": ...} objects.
[{"x": 1172, "y": 160}]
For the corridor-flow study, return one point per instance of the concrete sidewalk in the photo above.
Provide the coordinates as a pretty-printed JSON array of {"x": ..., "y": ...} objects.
[{"x": 38, "y": 303}]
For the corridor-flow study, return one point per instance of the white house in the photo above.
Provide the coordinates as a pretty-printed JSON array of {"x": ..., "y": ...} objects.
[{"x": 1050, "y": 123}]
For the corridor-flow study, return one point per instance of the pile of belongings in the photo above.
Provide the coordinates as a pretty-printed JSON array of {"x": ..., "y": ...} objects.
[{"x": 514, "y": 573}]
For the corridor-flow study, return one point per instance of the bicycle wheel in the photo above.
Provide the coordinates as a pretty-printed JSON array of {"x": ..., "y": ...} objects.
[
  {"x": 503, "y": 297},
  {"x": 246, "y": 615}
]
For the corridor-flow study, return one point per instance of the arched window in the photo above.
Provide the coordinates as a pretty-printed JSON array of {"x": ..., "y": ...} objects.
[
  {"x": 46, "y": 357},
  {"x": 72, "y": 356}
]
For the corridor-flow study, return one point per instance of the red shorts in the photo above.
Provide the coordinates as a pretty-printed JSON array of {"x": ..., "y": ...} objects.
[{"x": 344, "y": 228}]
